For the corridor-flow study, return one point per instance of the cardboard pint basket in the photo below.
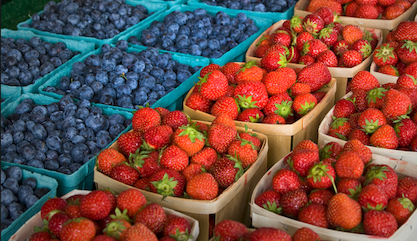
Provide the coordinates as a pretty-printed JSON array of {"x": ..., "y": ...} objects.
[
  {"x": 382, "y": 78},
  {"x": 339, "y": 73},
  {"x": 232, "y": 203},
  {"x": 264, "y": 218},
  {"x": 384, "y": 25},
  {"x": 409, "y": 156},
  {"x": 281, "y": 137},
  {"x": 27, "y": 229}
]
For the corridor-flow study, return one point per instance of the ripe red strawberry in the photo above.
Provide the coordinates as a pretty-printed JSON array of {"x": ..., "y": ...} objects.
[
  {"x": 349, "y": 165},
  {"x": 293, "y": 201},
  {"x": 321, "y": 176},
  {"x": 383, "y": 176},
  {"x": 157, "y": 137},
  {"x": 411, "y": 69},
  {"x": 175, "y": 119},
  {"x": 162, "y": 111},
  {"x": 360, "y": 135},
  {"x": 305, "y": 234},
  {"x": 282, "y": 37},
  {"x": 227, "y": 105},
  {"x": 146, "y": 162},
  {"x": 407, "y": 52},
  {"x": 273, "y": 60},
  {"x": 333, "y": 5},
  {"x": 359, "y": 96},
  {"x": 265, "y": 233},
  {"x": 351, "y": 33},
  {"x": 96, "y": 205},
  {"x": 314, "y": 214},
  {"x": 379, "y": 223},
  {"x": 364, "y": 80},
  {"x": 226, "y": 170},
  {"x": 328, "y": 36},
  {"x": 302, "y": 160},
  {"x": 299, "y": 88},
  {"x": 260, "y": 52},
  {"x": 406, "y": 30},
  {"x": 406, "y": 131},
  {"x": 328, "y": 58},
  {"x": 107, "y": 159},
  {"x": 192, "y": 170},
  {"x": 175, "y": 158},
  {"x": 314, "y": 47},
  {"x": 206, "y": 157},
  {"x": 393, "y": 11},
  {"x": 340, "y": 47},
  {"x": 189, "y": 139},
  {"x": 371, "y": 119},
  {"x": 350, "y": 9},
  {"x": 269, "y": 200},
  {"x": 384, "y": 137},
  {"x": 230, "y": 70},
  {"x": 251, "y": 95},
  {"x": 213, "y": 85},
  {"x": 52, "y": 204},
  {"x": 143, "y": 184},
  {"x": 406, "y": 81},
  {"x": 139, "y": 232},
  {"x": 330, "y": 149},
  {"x": 401, "y": 208},
  {"x": 249, "y": 72},
  {"x": 178, "y": 227},
  {"x": 279, "y": 81},
  {"x": 116, "y": 228},
  {"x": 125, "y": 173},
  {"x": 302, "y": 38},
  {"x": 351, "y": 58},
  {"x": 285, "y": 180},
  {"x": 316, "y": 75},
  {"x": 313, "y": 23},
  {"x": 152, "y": 216},
  {"x": 229, "y": 230},
  {"x": 78, "y": 229},
  {"x": 385, "y": 55},
  {"x": 326, "y": 14},
  {"x": 349, "y": 186},
  {"x": 202, "y": 186},
  {"x": 372, "y": 198},
  {"x": 40, "y": 236},
  {"x": 56, "y": 222},
  {"x": 407, "y": 187},
  {"x": 244, "y": 150},
  {"x": 340, "y": 128},
  {"x": 145, "y": 118},
  {"x": 279, "y": 104},
  {"x": 253, "y": 115},
  {"x": 220, "y": 136},
  {"x": 388, "y": 70},
  {"x": 274, "y": 119},
  {"x": 344, "y": 108},
  {"x": 304, "y": 103},
  {"x": 386, "y": 2},
  {"x": 320, "y": 196},
  {"x": 132, "y": 200},
  {"x": 363, "y": 47},
  {"x": 129, "y": 142},
  {"x": 375, "y": 98},
  {"x": 363, "y": 151},
  {"x": 367, "y": 11},
  {"x": 209, "y": 68},
  {"x": 197, "y": 102},
  {"x": 73, "y": 210},
  {"x": 341, "y": 204},
  {"x": 167, "y": 178}
]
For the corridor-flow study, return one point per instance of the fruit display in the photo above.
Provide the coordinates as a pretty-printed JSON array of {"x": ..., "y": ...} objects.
[
  {"x": 400, "y": 51},
  {"x": 256, "y": 6},
  {"x": 60, "y": 136},
  {"x": 101, "y": 215},
  {"x": 26, "y": 61},
  {"x": 338, "y": 188},
  {"x": 123, "y": 77},
  {"x": 92, "y": 18},
  {"x": 196, "y": 32}
]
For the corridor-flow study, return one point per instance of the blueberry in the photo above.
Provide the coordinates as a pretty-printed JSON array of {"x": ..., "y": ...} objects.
[
  {"x": 40, "y": 192},
  {"x": 6, "y": 139},
  {"x": 54, "y": 143},
  {"x": 87, "y": 133},
  {"x": 15, "y": 206},
  {"x": 28, "y": 152},
  {"x": 86, "y": 92},
  {"x": 79, "y": 151},
  {"x": 64, "y": 170},
  {"x": 82, "y": 113},
  {"x": 78, "y": 139},
  {"x": 115, "y": 130},
  {"x": 214, "y": 44},
  {"x": 15, "y": 215},
  {"x": 11, "y": 184},
  {"x": 183, "y": 75},
  {"x": 6, "y": 223},
  {"x": 7, "y": 196},
  {"x": 31, "y": 182},
  {"x": 51, "y": 165},
  {"x": 83, "y": 104},
  {"x": 11, "y": 148},
  {"x": 39, "y": 145},
  {"x": 116, "y": 119},
  {"x": 65, "y": 159},
  {"x": 14, "y": 172},
  {"x": 30, "y": 200},
  {"x": 140, "y": 97},
  {"x": 39, "y": 132},
  {"x": 23, "y": 192},
  {"x": 23, "y": 108},
  {"x": 67, "y": 147},
  {"x": 4, "y": 212},
  {"x": 3, "y": 176}
]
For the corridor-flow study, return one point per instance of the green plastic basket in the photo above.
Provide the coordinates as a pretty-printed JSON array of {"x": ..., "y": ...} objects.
[
  {"x": 156, "y": 8},
  {"x": 170, "y": 3},
  {"x": 274, "y": 16},
  {"x": 82, "y": 46},
  {"x": 9, "y": 95},
  {"x": 172, "y": 101},
  {"x": 42, "y": 182},
  {"x": 79, "y": 179},
  {"x": 261, "y": 23}
]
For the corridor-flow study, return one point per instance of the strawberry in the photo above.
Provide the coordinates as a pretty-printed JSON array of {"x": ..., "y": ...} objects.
[
  {"x": 316, "y": 75},
  {"x": 379, "y": 223},
  {"x": 350, "y": 9},
  {"x": 401, "y": 208},
  {"x": 372, "y": 198},
  {"x": 125, "y": 173},
  {"x": 351, "y": 33},
  {"x": 202, "y": 186},
  {"x": 405, "y": 4},
  {"x": 292, "y": 202},
  {"x": 146, "y": 162},
  {"x": 406, "y": 131},
  {"x": 229, "y": 230},
  {"x": 209, "y": 68},
  {"x": 328, "y": 36},
  {"x": 253, "y": 115},
  {"x": 244, "y": 150},
  {"x": 314, "y": 214},
  {"x": 363, "y": 47},
  {"x": 175, "y": 158},
  {"x": 407, "y": 187},
  {"x": 229, "y": 106},
  {"x": 383, "y": 176},
  {"x": 375, "y": 98},
  {"x": 302, "y": 38},
  {"x": 393, "y": 11},
  {"x": 371, "y": 119},
  {"x": 145, "y": 118},
  {"x": 249, "y": 72},
  {"x": 302, "y": 160},
  {"x": 321, "y": 176},
  {"x": 260, "y": 52},
  {"x": 129, "y": 142},
  {"x": 306, "y": 60},
  {"x": 265, "y": 233},
  {"x": 411, "y": 69},
  {"x": 143, "y": 184},
  {"x": 388, "y": 70},
  {"x": 162, "y": 111},
  {"x": 220, "y": 136},
  {"x": 73, "y": 210},
  {"x": 197, "y": 102},
  {"x": 384, "y": 137},
  {"x": 314, "y": 47},
  {"x": 251, "y": 95},
  {"x": 328, "y": 58},
  {"x": 78, "y": 229},
  {"x": 320, "y": 196},
  {"x": 139, "y": 232},
  {"x": 285, "y": 180},
  {"x": 282, "y": 37},
  {"x": 407, "y": 52},
  {"x": 363, "y": 151},
  {"x": 273, "y": 60},
  {"x": 349, "y": 186},
  {"x": 213, "y": 85},
  {"x": 132, "y": 200},
  {"x": 385, "y": 55},
  {"x": 305, "y": 234},
  {"x": 230, "y": 70},
  {"x": 344, "y": 108},
  {"x": 360, "y": 135},
  {"x": 116, "y": 228},
  {"x": 349, "y": 165},
  {"x": 330, "y": 149},
  {"x": 333, "y": 5},
  {"x": 40, "y": 236},
  {"x": 192, "y": 170},
  {"x": 340, "y": 128},
  {"x": 364, "y": 80},
  {"x": 178, "y": 227},
  {"x": 56, "y": 222},
  {"x": 112, "y": 197},
  {"x": 269, "y": 200},
  {"x": 339, "y": 205},
  {"x": 299, "y": 88},
  {"x": 306, "y": 144},
  {"x": 157, "y": 137},
  {"x": 224, "y": 120},
  {"x": 279, "y": 81},
  {"x": 406, "y": 81},
  {"x": 304, "y": 103},
  {"x": 226, "y": 170},
  {"x": 167, "y": 182},
  {"x": 406, "y": 30},
  {"x": 189, "y": 139},
  {"x": 359, "y": 95},
  {"x": 96, "y": 205},
  {"x": 274, "y": 119},
  {"x": 206, "y": 157},
  {"x": 52, "y": 204},
  {"x": 107, "y": 159},
  {"x": 351, "y": 58},
  {"x": 279, "y": 104},
  {"x": 175, "y": 119},
  {"x": 326, "y": 14},
  {"x": 367, "y": 11},
  {"x": 340, "y": 47},
  {"x": 152, "y": 216},
  {"x": 386, "y": 2},
  {"x": 313, "y": 23}
]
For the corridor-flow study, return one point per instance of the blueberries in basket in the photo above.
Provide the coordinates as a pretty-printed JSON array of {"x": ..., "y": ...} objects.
[
  {"x": 98, "y": 19},
  {"x": 14, "y": 172},
  {"x": 25, "y": 61}
]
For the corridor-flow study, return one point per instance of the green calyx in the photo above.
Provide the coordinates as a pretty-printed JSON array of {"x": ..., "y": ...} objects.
[
  {"x": 325, "y": 33},
  {"x": 376, "y": 172},
  {"x": 165, "y": 186},
  {"x": 261, "y": 40},
  {"x": 320, "y": 170},
  {"x": 272, "y": 207},
  {"x": 370, "y": 126},
  {"x": 385, "y": 52},
  {"x": 306, "y": 107},
  {"x": 282, "y": 62},
  {"x": 248, "y": 65},
  {"x": 120, "y": 215},
  {"x": 192, "y": 133},
  {"x": 325, "y": 152},
  {"x": 374, "y": 94},
  {"x": 202, "y": 80},
  {"x": 284, "y": 109},
  {"x": 238, "y": 165},
  {"x": 137, "y": 158},
  {"x": 365, "y": 50},
  {"x": 246, "y": 102},
  {"x": 181, "y": 236},
  {"x": 114, "y": 229},
  {"x": 410, "y": 45},
  {"x": 311, "y": 27},
  {"x": 339, "y": 122},
  {"x": 407, "y": 204},
  {"x": 354, "y": 193},
  {"x": 246, "y": 142},
  {"x": 254, "y": 119}
]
